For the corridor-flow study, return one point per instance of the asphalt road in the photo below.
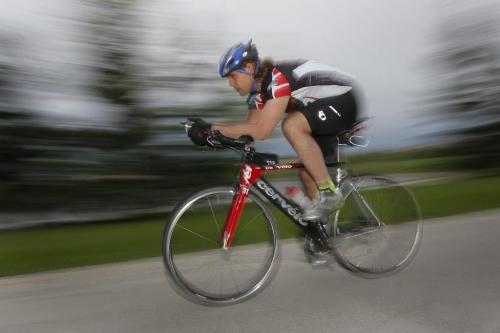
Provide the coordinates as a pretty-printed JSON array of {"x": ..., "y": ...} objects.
[{"x": 452, "y": 286}]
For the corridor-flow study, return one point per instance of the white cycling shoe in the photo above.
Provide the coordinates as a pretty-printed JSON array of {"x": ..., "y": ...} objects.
[{"x": 323, "y": 205}]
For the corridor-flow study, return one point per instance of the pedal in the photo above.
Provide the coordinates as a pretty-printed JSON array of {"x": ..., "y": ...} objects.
[{"x": 316, "y": 230}]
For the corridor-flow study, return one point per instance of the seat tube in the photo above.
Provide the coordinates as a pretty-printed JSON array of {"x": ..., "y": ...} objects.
[{"x": 248, "y": 176}]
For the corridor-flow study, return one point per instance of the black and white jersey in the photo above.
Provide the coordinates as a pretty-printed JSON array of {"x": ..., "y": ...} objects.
[{"x": 304, "y": 82}]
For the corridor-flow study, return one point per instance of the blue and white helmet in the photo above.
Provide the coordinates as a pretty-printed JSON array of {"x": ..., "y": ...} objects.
[{"x": 236, "y": 56}]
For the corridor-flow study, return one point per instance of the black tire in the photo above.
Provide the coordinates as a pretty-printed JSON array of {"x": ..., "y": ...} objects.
[
  {"x": 200, "y": 269},
  {"x": 378, "y": 230}
]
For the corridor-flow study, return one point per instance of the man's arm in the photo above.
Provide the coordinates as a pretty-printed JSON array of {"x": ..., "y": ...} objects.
[
  {"x": 253, "y": 116},
  {"x": 260, "y": 123}
]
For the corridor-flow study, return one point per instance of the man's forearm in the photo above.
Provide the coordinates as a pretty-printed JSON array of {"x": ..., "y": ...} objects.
[{"x": 237, "y": 130}]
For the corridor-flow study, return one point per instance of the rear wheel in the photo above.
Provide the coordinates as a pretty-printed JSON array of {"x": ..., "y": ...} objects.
[
  {"x": 196, "y": 262},
  {"x": 378, "y": 230}
]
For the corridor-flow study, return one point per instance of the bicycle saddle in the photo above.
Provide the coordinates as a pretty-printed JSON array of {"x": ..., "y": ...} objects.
[{"x": 351, "y": 137}]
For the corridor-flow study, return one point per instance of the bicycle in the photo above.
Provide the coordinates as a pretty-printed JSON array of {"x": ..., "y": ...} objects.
[{"x": 220, "y": 244}]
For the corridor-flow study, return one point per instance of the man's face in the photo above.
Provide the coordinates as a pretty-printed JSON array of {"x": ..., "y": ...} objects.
[{"x": 242, "y": 82}]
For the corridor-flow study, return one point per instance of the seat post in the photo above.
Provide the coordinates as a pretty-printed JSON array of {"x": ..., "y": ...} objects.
[
  {"x": 335, "y": 159},
  {"x": 340, "y": 159},
  {"x": 337, "y": 150}
]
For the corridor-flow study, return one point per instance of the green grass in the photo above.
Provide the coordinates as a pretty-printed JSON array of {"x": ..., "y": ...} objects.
[
  {"x": 458, "y": 196},
  {"x": 34, "y": 250},
  {"x": 434, "y": 164},
  {"x": 44, "y": 249},
  {"x": 401, "y": 162}
]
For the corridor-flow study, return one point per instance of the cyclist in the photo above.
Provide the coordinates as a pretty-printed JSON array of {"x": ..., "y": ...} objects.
[{"x": 319, "y": 101}]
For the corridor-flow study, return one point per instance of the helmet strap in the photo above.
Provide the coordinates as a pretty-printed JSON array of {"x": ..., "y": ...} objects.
[{"x": 244, "y": 71}]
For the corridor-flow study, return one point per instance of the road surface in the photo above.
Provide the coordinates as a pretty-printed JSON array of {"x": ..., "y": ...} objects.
[{"x": 452, "y": 286}]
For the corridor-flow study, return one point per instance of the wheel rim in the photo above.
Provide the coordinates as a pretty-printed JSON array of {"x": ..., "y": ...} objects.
[
  {"x": 206, "y": 271},
  {"x": 367, "y": 247}
]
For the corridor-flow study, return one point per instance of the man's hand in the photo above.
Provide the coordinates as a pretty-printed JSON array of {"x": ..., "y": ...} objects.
[{"x": 199, "y": 131}]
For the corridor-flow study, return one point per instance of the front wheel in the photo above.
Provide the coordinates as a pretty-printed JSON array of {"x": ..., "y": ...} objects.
[
  {"x": 378, "y": 230},
  {"x": 201, "y": 269}
]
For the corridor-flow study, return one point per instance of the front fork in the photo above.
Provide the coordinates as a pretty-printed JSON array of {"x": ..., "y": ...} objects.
[{"x": 248, "y": 175}]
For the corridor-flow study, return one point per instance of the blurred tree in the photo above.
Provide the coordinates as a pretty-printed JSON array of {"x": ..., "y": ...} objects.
[
  {"x": 114, "y": 32},
  {"x": 468, "y": 85},
  {"x": 149, "y": 131},
  {"x": 141, "y": 161},
  {"x": 15, "y": 121}
]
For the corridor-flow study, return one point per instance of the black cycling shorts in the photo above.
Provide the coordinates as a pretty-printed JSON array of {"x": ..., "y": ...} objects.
[
  {"x": 328, "y": 145},
  {"x": 330, "y": 116}
]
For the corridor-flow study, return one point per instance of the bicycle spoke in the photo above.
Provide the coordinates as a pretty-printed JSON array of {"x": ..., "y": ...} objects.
[
  {"x": 240, "y": 230},
  {"x": 232, "y": 277},
  {"x": 251, "y": 278},
  {"x": 213, "y": 215},
  {"x": 197, "y": 234},
  {"x": 197, "y": 265},
  {"x": 207, "y": 273},
  {"x": 377, "y": 250},
  {"x": 221, "y": 278}
]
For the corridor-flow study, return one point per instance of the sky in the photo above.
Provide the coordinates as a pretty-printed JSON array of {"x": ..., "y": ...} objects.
[
  {"x": 381, "y": 43},
  {"x": 384, "y": 44}
]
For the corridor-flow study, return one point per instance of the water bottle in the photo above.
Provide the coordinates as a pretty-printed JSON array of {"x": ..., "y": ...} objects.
[{"x": 298, "y": 196}]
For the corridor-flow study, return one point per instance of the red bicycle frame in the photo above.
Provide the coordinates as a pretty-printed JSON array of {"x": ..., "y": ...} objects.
[{"x": 249, "y": 174}]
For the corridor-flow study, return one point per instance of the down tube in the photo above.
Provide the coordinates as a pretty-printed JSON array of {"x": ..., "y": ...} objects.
[{"x": 275, "y": 197}]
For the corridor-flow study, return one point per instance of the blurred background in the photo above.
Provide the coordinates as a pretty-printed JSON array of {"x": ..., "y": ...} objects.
[{"x": 92, "y": 93}]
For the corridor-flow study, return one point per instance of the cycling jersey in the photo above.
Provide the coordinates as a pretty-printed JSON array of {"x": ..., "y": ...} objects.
[
  {"x": 323, "y": 94},
  {"x": 303, "y": 81}
]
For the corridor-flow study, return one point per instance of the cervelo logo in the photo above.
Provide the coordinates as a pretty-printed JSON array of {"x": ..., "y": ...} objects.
[{"x": 278, "y": 199}]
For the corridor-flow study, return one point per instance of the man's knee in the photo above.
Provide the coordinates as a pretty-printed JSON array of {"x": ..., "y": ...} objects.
[{"x": 287, "y": 126}]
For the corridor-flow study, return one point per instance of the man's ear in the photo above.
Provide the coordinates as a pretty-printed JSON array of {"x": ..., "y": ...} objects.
[{"x": 250, "y": 68}]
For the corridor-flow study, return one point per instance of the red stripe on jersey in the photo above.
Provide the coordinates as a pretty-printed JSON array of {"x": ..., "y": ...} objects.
[
  {"x": 279, "y": 85},
  {"x": 258, "y": 101}
]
